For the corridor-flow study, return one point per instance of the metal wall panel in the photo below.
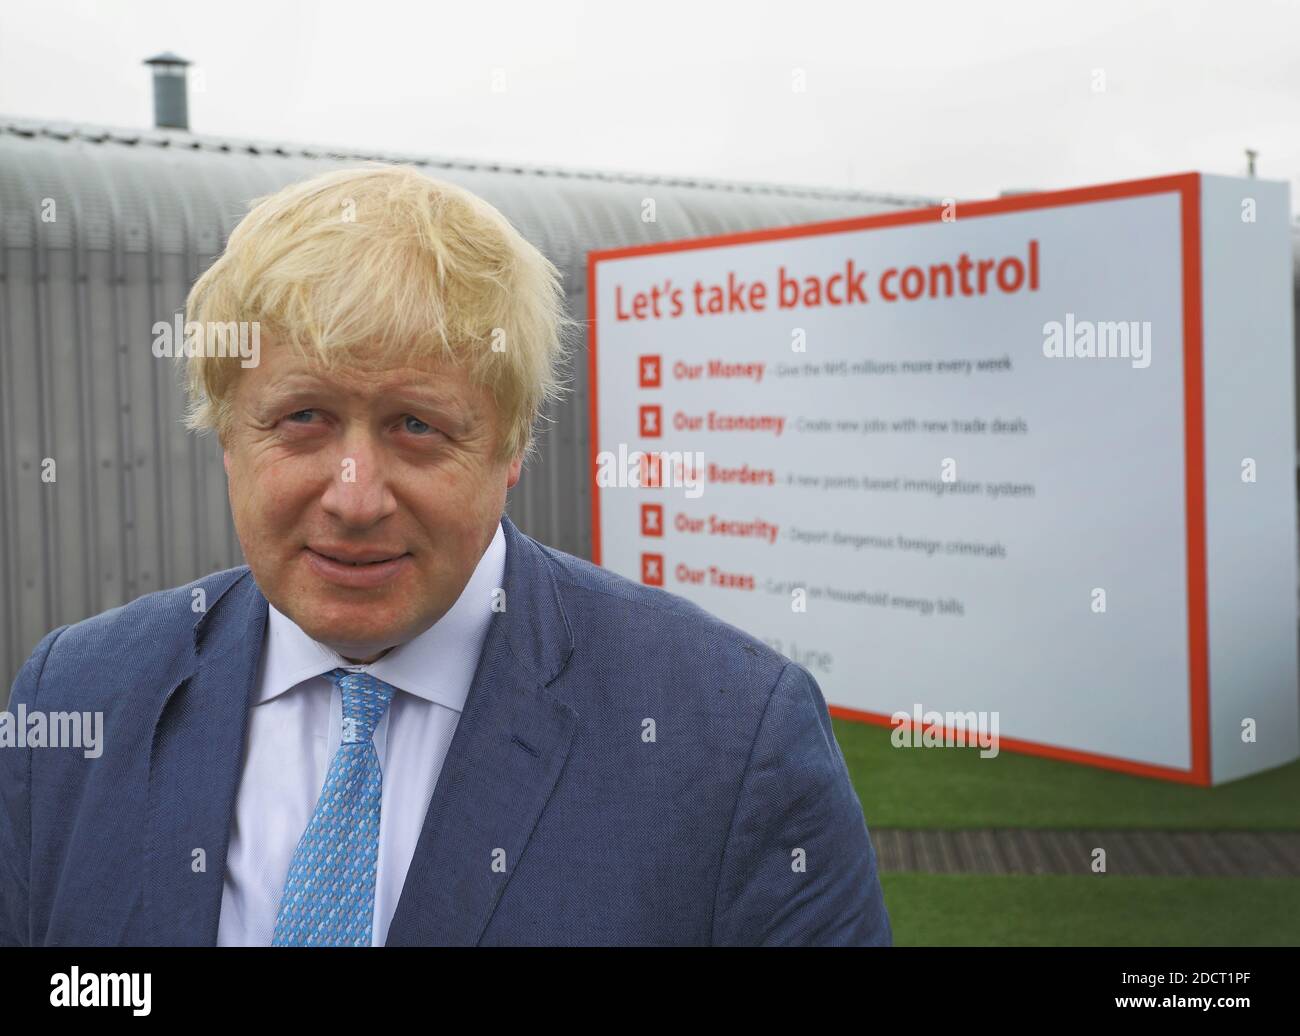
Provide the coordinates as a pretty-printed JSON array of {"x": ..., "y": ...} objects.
[{"x": 140, "y": 505}]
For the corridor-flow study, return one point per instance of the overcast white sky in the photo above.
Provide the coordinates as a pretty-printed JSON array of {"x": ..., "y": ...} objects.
[{"x": 961, "y": 99}]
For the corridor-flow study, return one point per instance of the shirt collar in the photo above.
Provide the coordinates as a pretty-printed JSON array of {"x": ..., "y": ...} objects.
[{"x": 438, "y": 665}]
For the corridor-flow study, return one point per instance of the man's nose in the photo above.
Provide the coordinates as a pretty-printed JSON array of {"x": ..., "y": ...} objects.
[{"x": 358, "y": 494}]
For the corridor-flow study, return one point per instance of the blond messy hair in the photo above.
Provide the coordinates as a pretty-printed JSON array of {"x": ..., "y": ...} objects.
[{"x": 386, "y": 258}]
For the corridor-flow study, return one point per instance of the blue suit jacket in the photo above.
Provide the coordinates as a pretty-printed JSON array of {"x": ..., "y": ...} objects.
[{"x": 735, "y": 825}]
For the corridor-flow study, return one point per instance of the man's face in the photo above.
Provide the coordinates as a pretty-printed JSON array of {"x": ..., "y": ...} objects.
[{"x": 364, "y": 463}]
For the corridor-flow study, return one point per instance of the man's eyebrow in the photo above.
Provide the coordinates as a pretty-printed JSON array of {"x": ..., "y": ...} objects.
[
  {"x": 406, "y": 394},
  {"x": 295, "y": 384}
]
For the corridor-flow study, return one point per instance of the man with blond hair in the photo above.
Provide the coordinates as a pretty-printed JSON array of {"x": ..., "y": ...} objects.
[{"x": 403, "y": 721}]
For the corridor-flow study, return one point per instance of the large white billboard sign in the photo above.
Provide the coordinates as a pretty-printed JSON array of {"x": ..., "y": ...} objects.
[{"x": 1030, "y": 459}]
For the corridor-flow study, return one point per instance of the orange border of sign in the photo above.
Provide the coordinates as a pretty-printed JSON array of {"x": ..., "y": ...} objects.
[{"x": 1188, "y": 187}]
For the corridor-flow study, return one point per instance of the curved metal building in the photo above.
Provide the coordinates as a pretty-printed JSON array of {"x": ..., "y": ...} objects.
[{"x": 103, "y": 495}]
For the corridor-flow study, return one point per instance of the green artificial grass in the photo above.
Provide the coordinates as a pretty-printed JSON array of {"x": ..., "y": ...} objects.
[
  {"x": 956, "y": 788},
  {"x": 1051, "y": 910}
]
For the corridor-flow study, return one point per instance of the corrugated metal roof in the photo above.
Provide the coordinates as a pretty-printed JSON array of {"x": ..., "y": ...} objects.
[
  {"x": 181, "y": 193},
  {"x": 184, "y": 140}
]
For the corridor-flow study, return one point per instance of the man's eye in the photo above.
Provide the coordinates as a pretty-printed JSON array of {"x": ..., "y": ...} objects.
[
  {"x": 422, "y": 427},
  {"x": 297, "y": 414}
]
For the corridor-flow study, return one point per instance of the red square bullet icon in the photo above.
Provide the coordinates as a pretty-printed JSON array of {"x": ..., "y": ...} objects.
[
  {"x": 648, "y": 374},
  {"x": 651, "y": 471},
  {"x": 652, "y": 519},
  {"x": 652, "y": 569},
  {"x": 651, "y": 422}
]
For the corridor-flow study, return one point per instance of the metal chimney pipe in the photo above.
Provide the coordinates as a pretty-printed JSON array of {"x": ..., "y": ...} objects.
[{"x": 171, "y": 108}]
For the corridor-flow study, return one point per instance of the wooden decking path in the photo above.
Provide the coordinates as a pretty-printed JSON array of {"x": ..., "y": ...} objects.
[{"x": 1175, "y": 854}]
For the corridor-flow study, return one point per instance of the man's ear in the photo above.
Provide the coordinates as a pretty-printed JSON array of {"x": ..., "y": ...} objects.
[{"x": 516, "y": 469}]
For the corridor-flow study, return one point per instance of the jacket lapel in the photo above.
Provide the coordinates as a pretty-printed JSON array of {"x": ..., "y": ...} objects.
[
  {"x": 195, "y": 762},
  {"x": 509, "y": 747}
]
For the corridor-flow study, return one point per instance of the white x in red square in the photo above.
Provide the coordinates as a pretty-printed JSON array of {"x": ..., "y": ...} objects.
[
  {"x": 652, "y": 519},
  {"x": 651, "y": 422},
  {"x": 652, "y": 569}
]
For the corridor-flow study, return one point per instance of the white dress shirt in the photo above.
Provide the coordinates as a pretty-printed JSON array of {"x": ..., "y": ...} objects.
[{"x": 295, "y": 729}]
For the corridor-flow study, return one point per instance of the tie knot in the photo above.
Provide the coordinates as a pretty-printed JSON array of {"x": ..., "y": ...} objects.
[{"x": 365, "y": 698}]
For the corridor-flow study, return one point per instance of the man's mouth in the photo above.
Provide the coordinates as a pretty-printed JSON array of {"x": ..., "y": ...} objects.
[
  {"x": 358, "y": 560},
  {"x": 357, "y": 570}
]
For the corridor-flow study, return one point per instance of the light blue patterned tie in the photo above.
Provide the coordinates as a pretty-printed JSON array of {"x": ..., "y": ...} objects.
[{"x": 329, "y": 895}]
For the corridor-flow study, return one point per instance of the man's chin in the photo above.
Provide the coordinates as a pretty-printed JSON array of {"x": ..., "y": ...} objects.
[
  {"x": 358, "y": 635},
  {"x": 359, "y": 652}
]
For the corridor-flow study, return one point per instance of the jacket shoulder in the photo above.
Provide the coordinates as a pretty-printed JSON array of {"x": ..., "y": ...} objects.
[
  {"x": 142, "y": 636},
  {"x": 637, "y": 613}
]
